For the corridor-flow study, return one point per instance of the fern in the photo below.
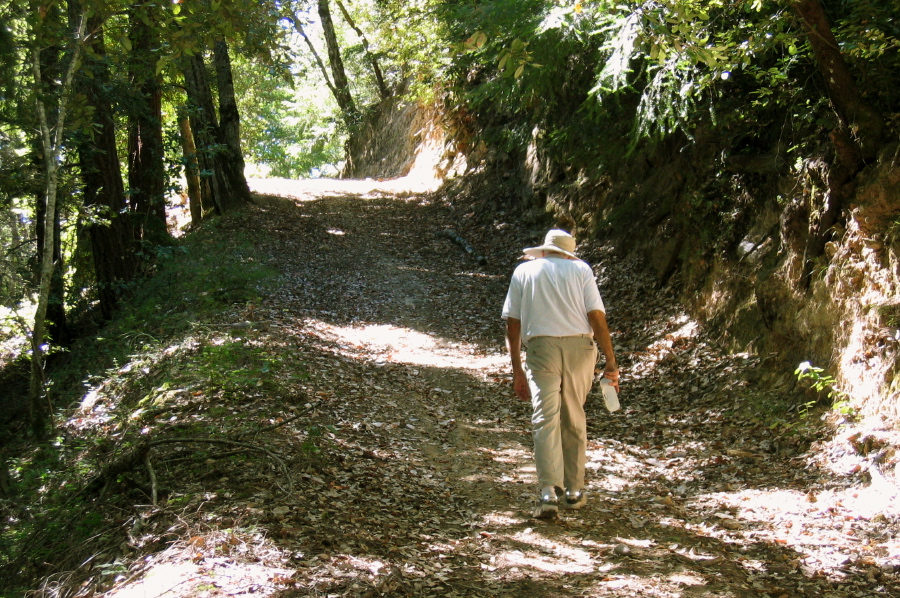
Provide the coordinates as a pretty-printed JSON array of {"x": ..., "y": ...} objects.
[
  {"x": 669, "y": 99},
  {"x": 621, "y": 48}
]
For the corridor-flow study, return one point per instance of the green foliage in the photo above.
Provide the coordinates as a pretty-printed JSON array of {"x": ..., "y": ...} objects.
[
  {"x": 816, "y": 379},
  {"x": 194, "y": 280},
  {"x": 655, "y": 69},
  {"x": 234, "y": 365},
  {"x": 159, "y": 343},
  {"x": 412, "y": 40},
  {"x": 315, "y": 438},
  {"x": 288, "y": 131},
  {"x": 514, "y": 59},
  {"x": 190, "y": 27},
  {"x": 680, "y": 56},
  {"x": 870, "y": 41},
  {"x": 890, "y": 315},
  {"x": 51, "y": 531}
]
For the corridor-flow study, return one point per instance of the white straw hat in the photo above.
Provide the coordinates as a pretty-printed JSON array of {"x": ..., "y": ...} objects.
[{"x": 556, "y": 240}]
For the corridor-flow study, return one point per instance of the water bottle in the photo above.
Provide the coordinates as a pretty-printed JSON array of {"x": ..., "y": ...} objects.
[{"x": 609, "y": 395}]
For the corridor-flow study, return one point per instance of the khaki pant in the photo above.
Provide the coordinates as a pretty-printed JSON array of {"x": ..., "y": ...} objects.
[{"x": 560, "y": 372}]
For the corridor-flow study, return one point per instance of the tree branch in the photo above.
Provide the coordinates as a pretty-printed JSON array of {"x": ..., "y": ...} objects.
[
  {"x": 379, "y": 78},
  {"x": 152, "y": 474},
  {"x": 315, "y": 54}
]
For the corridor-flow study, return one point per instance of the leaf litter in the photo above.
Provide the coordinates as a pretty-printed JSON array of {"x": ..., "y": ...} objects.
[{"x": 410, "y": 458}]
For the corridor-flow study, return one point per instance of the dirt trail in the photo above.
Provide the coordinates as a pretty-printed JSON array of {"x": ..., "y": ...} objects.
[{"x": 421, "y": 482}]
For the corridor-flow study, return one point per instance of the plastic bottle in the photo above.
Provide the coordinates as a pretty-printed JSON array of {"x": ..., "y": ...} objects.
[{"x": 610, "y": 397}]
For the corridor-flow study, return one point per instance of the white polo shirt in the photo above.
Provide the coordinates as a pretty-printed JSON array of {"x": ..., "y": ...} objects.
[{"x": 552, "y": 297}]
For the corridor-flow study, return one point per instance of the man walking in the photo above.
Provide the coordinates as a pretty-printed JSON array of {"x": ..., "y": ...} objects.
[{"x": 554, "y": 310}]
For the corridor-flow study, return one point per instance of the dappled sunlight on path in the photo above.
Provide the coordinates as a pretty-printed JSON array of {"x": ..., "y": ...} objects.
[
  {"x": 388, "y": 343},
  {"x": 411, "y": 457},
  {"x": 310, "y": 189}
]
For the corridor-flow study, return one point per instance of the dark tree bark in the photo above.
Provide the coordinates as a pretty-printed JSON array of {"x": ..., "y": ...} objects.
[
  {"x": 6, "y": 487},
  {"x": 853, "y": 111},
  {"x": 219, "y": 168},
  {"x": 8, "y": 61},
  {"x": 229, "y": 118},
  {"x": 146, "y": 169},
  {"x": 112, "y": 239},
  {"x": 338, "y": 74},
  {"x": 376, "y": 69}
]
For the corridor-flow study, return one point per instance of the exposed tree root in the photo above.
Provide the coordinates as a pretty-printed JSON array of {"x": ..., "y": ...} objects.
[{"x": 140, "y": 454}]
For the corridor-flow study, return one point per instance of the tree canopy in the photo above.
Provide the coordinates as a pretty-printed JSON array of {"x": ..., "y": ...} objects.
[{"x": 168, "y": 102}]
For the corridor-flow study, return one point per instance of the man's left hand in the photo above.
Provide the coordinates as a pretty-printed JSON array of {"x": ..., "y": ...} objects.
[
  {"x": 613, "y": 377},
  {"x": 520, "y": 385}
]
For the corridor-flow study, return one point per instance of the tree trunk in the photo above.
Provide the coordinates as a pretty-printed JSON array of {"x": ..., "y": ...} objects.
[
  {"x": 338, "y": 74},
  {"x": 191, "y": 168},
  {"x": 218, "y": 166},
  {"x": 146, "y": 170},
  {"x": 51, "y": 142},
  {"x": 57, "y": 324},
  {"x": 6, "y": 487},
  {"x": 14, "y": 224},
  {"x": 376, "y": 69},
  {"x": 229, "y": 118},
  {"x": 853, "y": 111},
  {"x": 855, "y": 119},
  {"x": 112, "y": 240}
]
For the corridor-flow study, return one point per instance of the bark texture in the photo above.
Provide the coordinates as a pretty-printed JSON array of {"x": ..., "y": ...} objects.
[
  {"x": 318, "y": 59},
  {"x": 229, "y": 118},
  {"x": 222, "y": 178},
  {"x": 39, "y": 408},
  {"x": 338, "y": 74},
  {"x": 373, "y": 61},
  {"x": 57, "y": 324},
  {"x": 849, "y": 105},
  {"x": 146, "y": 169},
  {"x": 108, "y": 228},
  {"x": 50, "y": 76}
]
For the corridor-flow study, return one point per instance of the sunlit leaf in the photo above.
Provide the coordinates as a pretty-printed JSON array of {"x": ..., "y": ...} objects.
[{"x": 476, "y": 41}]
